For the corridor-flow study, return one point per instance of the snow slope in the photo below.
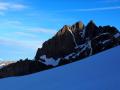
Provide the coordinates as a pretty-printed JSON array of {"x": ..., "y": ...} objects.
[{"x": 98, "y": 72}]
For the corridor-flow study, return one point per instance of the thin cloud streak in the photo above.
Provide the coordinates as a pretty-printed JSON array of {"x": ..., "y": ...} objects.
[
  {"x": 7, "y": 6},
  {"x": 25, "y": 34},
  {"x": 18, "y": 6},
  {"x": 42, "y": 30},
  {"x": 33, "y": 44},
  {"x": 3, "y": 6},
  {"x": 110, "y": 1},
  {"x": 93, "y": 9}
]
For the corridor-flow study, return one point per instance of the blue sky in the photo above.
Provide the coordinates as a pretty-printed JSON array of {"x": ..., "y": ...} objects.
[{"x": 26, "y": 24}]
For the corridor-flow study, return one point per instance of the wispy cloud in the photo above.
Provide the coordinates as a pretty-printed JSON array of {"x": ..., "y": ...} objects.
[
  {"x": 31, "y": 44},
  {"x": 34, "y": 33},
  {"x": 19, "y": 29},
  {"x": 25, "y": 34},
  {"x": 42, "y": 30},
  {"x": 109, "y": 1},
  {"x": 18, "y": 6},
  {"x": 6, "y": 6},
  {"x": 12, "y": 22},
  {"x": 3, "y": 5},
  {"x": 29, "y": 37},
  {"x": 26, "y": 28},
  {"x": 92, "y": 9}
]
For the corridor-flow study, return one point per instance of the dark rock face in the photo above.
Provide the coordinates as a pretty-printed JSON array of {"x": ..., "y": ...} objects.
[
  {"x": 62, "y": 43},
  {"x": 79, "y": 41},
  {"x": 58, "y": 45},
  {"x": 22, "y": 68}
]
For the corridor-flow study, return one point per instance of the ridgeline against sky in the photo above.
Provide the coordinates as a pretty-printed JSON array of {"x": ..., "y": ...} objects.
[{"x": 26, "y": 24}]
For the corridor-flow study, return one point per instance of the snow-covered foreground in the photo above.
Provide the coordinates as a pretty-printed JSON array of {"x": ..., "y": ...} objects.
[{"x": 99, "y": 72}]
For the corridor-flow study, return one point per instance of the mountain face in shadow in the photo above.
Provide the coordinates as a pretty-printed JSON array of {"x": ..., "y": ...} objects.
[
  {"x": 78, "y": 41},
  {"x": 69, "y": 44}
]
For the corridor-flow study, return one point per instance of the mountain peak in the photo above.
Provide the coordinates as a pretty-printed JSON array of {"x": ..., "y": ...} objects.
[
  {"x": 79, "y": 25},
  {"x": 63, "y": 30},
  {"x": 91, "y": 24},
  {"x": 91, "y": 21},
  {"x": 65, "y": 27}
]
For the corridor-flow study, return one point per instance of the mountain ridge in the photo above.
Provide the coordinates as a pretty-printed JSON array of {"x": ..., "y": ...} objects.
[
  {"x": 78, "y": 41},
  {"x": 69, "y": 44}
]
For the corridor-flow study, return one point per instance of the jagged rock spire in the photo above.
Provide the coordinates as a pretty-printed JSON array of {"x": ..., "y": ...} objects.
[
  {"x": 80, "y": 25},
  {"x": 91, "y": 24}
]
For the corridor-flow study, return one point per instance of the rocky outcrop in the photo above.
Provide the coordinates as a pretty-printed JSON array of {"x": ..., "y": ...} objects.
[
  {"x": 22, "y": 67},
  {"x": 62, "y": 43},
  {"x": 78, "y": 41}
]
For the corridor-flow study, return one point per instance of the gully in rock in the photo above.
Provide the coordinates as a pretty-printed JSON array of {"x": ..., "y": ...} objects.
[{"x": 73, "y": 37}]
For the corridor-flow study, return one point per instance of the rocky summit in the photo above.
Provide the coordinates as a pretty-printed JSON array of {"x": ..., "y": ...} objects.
[{"x": 78, "y": 41}]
